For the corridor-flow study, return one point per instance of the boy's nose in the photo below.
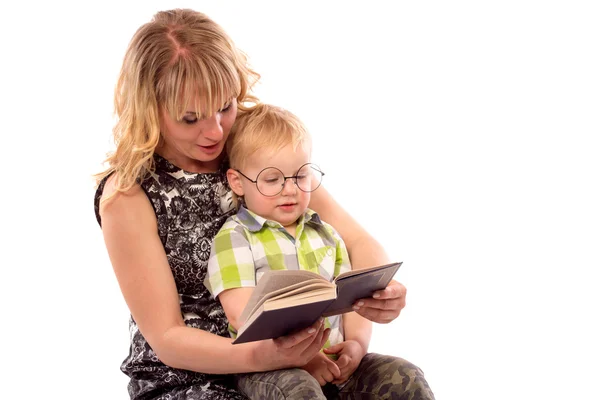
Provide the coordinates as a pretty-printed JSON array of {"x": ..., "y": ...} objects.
[{"x": 289, "y": 186}]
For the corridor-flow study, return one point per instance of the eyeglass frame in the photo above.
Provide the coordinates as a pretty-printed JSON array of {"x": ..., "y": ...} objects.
[{"x": 285, "y": 178}]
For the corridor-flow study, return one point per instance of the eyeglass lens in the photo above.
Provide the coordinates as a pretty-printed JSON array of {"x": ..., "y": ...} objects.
[{"x": 271, "y": 181}]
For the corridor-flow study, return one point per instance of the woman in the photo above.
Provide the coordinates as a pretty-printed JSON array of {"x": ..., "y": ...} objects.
[{"x": 163, "y": 198}]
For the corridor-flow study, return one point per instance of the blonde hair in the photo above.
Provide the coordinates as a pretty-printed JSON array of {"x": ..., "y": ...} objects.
[
  {"x": 175, "y": 58},
  {"x": 267, "y": 128}
]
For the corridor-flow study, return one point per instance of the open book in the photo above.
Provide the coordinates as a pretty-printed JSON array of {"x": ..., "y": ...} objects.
[{"x": 285, "y": 301}]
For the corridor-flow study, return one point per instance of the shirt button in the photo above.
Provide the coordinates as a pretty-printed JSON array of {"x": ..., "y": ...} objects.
[{"x": 330, "y": 252}]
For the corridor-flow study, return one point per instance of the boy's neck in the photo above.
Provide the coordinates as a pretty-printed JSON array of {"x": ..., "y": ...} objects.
[{"x": 291, "y": 229}]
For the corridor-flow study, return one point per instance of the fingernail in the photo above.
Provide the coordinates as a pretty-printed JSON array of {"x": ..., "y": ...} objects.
[
  {"x": 361, "y": 303},
  {"x": 356, "y": 307},
  {"x": 312, "y": 330},
  {"x": 376, "y": 296}
]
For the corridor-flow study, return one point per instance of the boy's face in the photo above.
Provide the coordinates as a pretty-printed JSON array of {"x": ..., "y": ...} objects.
[{"x": 291, "y": 203}]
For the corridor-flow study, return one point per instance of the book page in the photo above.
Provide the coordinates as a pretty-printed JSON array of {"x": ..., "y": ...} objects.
[
  {"x": 290, "y": 291},
  {"x": 249, "y": 321},
  {"x": 311, "y": 296},
  {"x": 297, "y": 289},
  {"x": 272, "y": 281}
]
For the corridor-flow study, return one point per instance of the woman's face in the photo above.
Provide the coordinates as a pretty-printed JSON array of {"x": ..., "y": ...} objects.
[{"x": 195, "y": 143}]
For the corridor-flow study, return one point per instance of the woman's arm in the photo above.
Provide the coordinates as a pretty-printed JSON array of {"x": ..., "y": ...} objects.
[
  {"x": 365, "y": 251},
  {"x": 140, "y": 264}
]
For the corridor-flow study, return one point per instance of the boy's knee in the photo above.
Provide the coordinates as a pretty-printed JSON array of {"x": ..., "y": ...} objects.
[
  {"x": 282, "y": 384},
  {"x": 298, "y": 384},
  {"x": 410, "y": 377},
  {"x": 295, "y": 380},
  {"x": 387, "y": 374}
]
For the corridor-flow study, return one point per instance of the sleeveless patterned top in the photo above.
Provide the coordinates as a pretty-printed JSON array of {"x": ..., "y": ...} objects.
[{"x": 190, "y": 209}]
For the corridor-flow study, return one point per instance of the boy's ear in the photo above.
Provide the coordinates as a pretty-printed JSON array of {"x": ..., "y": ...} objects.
[{"x": 235, "y": 182}]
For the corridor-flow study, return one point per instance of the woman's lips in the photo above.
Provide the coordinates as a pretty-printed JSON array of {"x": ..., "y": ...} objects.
[{"x": 210, "y": 149}]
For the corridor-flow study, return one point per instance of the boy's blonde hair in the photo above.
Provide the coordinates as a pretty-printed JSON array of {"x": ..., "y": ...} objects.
[
  {"x": 179, "y": 56},
  {"x": 265, "y": 128}
]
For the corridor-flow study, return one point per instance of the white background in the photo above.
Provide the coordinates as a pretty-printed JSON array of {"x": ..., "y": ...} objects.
[{"x": 462, "y": 134}]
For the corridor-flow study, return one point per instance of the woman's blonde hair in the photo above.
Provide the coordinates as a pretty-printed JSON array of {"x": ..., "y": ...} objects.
[
  {"x": 179, "y": 56},
  {"x": 267, "y": 128}
]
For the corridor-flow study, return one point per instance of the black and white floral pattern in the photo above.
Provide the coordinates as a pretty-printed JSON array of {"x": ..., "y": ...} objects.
[{"x": 190, "y": 209}]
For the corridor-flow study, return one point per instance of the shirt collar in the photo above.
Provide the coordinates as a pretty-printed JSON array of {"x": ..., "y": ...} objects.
[{"x": 255, "y": 223}]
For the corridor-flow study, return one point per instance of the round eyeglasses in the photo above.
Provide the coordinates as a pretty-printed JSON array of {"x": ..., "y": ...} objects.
[{"x": 271, "y": 181}]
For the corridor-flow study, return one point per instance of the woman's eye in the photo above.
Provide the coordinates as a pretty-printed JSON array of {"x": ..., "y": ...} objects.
[
  {"x": 190, "y": 121},
  {"x": 226, "y": 108}
]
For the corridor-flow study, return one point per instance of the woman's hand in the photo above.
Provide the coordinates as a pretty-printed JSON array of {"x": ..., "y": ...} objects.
[
  {"x": 294, "y": 350},
  {"x": 385, "y": 305}
]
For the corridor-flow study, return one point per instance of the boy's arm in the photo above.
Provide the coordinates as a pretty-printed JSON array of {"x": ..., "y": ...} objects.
[
  {"x": 233, "y": 302},
  {"x": 230, "y": 274},
  {"x": 355, "y": 327},
  {"x": 358, "y": 329},
  {"x": 364, "y": 251}
]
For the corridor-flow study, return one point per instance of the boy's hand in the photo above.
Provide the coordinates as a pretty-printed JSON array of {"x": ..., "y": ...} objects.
[
  {"x": 350, "y": 353},
  {"x": 322, "y": 369}
]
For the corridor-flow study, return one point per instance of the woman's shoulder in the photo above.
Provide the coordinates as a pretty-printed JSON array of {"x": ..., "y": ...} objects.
[{"x": 118, "y": 203}]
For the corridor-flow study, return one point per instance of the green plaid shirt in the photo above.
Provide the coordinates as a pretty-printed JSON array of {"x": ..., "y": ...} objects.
[{"x": 248, "y": 245}]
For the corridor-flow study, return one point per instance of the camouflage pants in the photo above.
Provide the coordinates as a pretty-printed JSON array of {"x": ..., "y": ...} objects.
[{"x": 377, "y": 377}]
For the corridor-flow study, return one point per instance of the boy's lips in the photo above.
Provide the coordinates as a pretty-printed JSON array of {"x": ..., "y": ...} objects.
[{"x": 287, "y": 205}]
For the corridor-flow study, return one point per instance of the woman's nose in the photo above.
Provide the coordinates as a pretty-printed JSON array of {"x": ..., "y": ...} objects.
[{"x": 212, "y": 129}]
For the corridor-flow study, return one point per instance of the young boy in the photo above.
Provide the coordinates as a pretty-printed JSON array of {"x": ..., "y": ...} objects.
[{"x": 272, "y": 178}]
